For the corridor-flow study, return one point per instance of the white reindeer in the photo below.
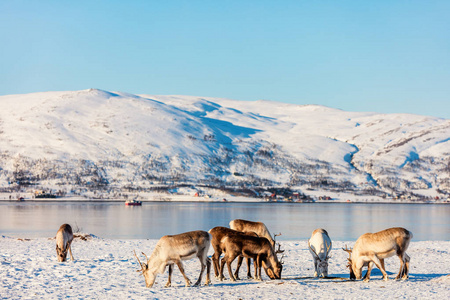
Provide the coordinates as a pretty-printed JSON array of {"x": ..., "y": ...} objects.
[
  {"x": 320, "y": 246},
  {"x": 373, "y": 248},
  {"x": 172, "y": 249},
  {"x": 64, "y": 238}
]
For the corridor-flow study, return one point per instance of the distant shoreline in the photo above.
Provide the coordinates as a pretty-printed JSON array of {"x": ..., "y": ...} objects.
[{"x": 240, "y": 200}]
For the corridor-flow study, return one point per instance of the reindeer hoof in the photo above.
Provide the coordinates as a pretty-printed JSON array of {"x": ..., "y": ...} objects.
[
  {"x": 168, "y": 285},
  {"x": 208, "y": 282},
  {"x": 366, "y": 279},
  {"x": 385, "y": 278}
]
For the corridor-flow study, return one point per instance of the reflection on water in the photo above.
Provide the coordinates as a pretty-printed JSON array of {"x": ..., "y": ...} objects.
[{"x": 152, "y": 220}]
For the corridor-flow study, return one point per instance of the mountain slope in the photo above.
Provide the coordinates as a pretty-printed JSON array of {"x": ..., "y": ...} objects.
[{"x": 91, "y": 139}]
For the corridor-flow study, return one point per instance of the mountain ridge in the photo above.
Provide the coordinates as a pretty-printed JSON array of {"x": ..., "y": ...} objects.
[{"x": 94, "y": 139}]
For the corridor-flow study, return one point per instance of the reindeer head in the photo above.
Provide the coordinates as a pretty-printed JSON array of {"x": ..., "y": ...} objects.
[
  {"x": 322, "y": 266},
  {"x": 273, "y": 271},
  {"x": 350, "y": 264},
  {"x": 149, "y": 276},
  {"x": 272, "y": 265},
  {"x": 61, "y": 254},
  {"x": 277, "y": 267}
]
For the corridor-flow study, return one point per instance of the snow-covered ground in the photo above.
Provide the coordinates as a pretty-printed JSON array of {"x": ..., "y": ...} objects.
[{"x": 106, "y": 269}]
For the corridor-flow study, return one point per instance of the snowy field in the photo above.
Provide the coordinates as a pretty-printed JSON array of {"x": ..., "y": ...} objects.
[{"x": 106, "y": 269}]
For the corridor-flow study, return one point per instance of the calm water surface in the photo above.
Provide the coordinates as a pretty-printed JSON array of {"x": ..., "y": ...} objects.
[{"x": 343, "y": 221}]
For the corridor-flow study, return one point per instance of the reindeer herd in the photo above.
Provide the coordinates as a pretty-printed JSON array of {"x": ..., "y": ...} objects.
[{"x": 253, "y": 241}]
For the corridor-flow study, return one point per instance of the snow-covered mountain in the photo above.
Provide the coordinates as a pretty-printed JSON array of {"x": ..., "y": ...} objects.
[{"x": 94, "y": 139}]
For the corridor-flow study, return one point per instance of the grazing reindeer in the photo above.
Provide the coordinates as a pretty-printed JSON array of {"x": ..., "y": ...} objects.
[
  {"x": 320, "y": 245},
  {"x": 234, "y": 244},
  {"x": 218, "y": 233},
  {"x": 249, "y": 226},
  {"x": 172, "y": 249},
  {"x": 64, "y": 238},
  {"x": 373, "y": 248}
]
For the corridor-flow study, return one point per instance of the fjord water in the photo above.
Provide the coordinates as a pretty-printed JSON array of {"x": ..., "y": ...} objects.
[{"x": 296, "y": 221}]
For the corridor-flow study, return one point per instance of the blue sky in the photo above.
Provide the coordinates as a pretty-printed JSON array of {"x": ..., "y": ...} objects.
[{"x": 383, "y": 56}]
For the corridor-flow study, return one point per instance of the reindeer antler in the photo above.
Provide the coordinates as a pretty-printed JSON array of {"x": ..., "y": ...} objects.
[
  {"x": 312, "y": 250},
  {"x": 349, "y": 251},
  {"x": 145, "y": 256},
  {"x": 281, "y": 259},
  {"x": 275, "y": 236},
  {"x": 328, "y": 248},
  {"x": 142, "y": 268},
  {"x": 279, "y": 249}
]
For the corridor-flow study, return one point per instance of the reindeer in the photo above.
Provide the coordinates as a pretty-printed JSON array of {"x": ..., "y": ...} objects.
[
  {"x": 64, "y": 238},
  {"x": 320, "y": 245},
  {"x": 218, "y": 233},
  {"x": 235, "y": 244},
  {"x": 373, "y": 248},
  {"x": 173, "y": 249},
  {"x": 249, "y": 226}
]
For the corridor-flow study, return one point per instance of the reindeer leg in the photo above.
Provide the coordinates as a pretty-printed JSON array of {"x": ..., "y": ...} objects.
[
  {"x": 222, "y": 264},
  {"x": 239, "y": 263},
  {"x": 406, "y": 269},
  {"x": 255, "y": 262},
  {"x": 249, "y": 272},
  {"x": 208, "y": 271},
  {"x": 70, "y": 250},
  {"x": 402, "y": 267},
  {"x": 366, "y": 277},
  {"x": 229, "y": 261},
  {"x": 203, "y": 264},
  {"x": 169, "y": 280},
  {"x": 216, "y": 261},
  {"x": 258, "y": 268},
  {"x": 180, "y": 266},
  {"x": 379, "y": 266},
  {"x": 315, "y": 267}
]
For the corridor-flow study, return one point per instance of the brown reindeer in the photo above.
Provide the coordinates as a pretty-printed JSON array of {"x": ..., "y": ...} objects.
[
  {"x": 172, "y": 249},
  {"x": 218, "y": 233},
  {"x": 64, "y": 238},
  {"x": 261, "y": 230},
  {"x": 373, "y": 248},
  {"x": 235, "y": 244}
]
